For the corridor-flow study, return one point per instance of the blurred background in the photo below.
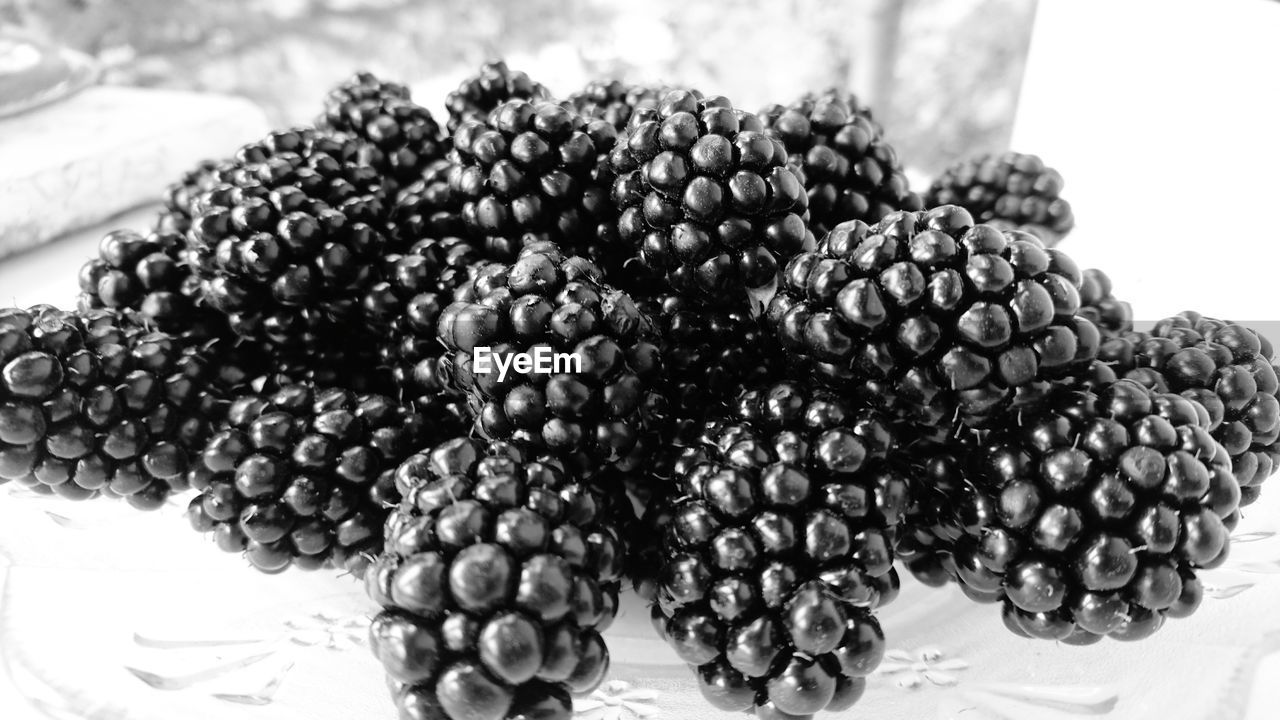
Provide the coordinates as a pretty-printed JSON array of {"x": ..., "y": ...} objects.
[{"x": 1157, "y": 112}]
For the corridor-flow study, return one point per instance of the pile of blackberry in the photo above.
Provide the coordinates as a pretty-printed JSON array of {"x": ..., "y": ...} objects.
[
  {"x": 1012, "y": 190},
  {"x": 733, "y": 360},
  {"x": 849, "y": 171}
]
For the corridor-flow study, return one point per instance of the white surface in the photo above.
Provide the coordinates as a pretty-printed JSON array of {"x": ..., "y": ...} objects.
[
  {"x": 1161, "y": 116},
  {"x": 106, "y": 149}
]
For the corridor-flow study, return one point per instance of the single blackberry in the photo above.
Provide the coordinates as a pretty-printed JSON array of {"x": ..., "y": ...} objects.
[
  {"x": 613, "y": 101},
  {"x": 500, "y": 572},
  {"x": 1111, "y": 316},
  {"x": 1225, "y": 367},
  {"x": 286, "y": 241},
  {"x": 304, "y": 476},
  {"x": 600, "y": 349},
  {"x": 95, "y": 403},
  {"x": 935, "y": 317},
  {"x": 427, "y": 208},
  {"x": 149, "y": 274},
  {"x": 537, "y": 172},
  {"x": 776, "y": 548},
  {"x": 406, "y": 306},
  {"x": 1092, "y": 516},
  {"x": 706, "y": 197},
  {"x": 1012, "y": 190},
  {"x": 493, "y": 85},
  {"x": 403, "y": 138},
  {"x": 849, "y": 172}
]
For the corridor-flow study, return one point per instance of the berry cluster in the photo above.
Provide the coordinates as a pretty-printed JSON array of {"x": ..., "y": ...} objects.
[{"x": 640, "y": 335}]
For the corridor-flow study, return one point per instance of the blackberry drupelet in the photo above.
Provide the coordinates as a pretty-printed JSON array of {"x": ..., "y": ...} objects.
[
  {"x": 592, "y": 407},
  {"x": 285, "y": 243},
  {"x": 1225, "y": 367},
  {"x": 777, "y": 547},
  {"x": 493, "y": 85},
  {"x": 150, "y": 274},
  {"x": 501, "y": 570},
  {"x": 935, "y": 317},
  {"x": 613, "y": 101},
  {"x": 849, "y": 171},
  {"x": 180, "y": 197},
  {"x": 706, "y": 197},
  {"x": 1092, "y": 516},
  {"x": 1012, "y": 190},
  {"x": 537, "y": 172},
  {"x": 427, "y": 208},
  {"x": 95, "y": 403},
  {"x": 305, "y": 476},
  {"x": 403, "y": 138},
  {"x": 1112, "y": 317}
]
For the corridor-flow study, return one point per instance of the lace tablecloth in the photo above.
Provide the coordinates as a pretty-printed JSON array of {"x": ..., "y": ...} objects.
[{"x": 110, "y": 614}]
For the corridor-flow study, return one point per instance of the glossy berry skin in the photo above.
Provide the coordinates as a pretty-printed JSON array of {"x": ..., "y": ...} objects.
[
  {"x": 501, "y": 570},
  {"x": 285, "y": 242},
  {"x": 1092, "y": 516},
  {"x": 535, "y": 171},
  {"x": 493, "y": 85},
  {"x": 150, "y": 274},
  {"x": 402, "y": 136},
  {"x": 706, "y": 197},
  {"x": 427, "y": 207},
  {"x": 1011, "y": 190},
  {"x": 305, "y": 476},
  {"x": 935, "y": 317},
  {"x": 1226, "y": 367},
  {"x": 613, "y": 101},
  {"x": 1112, "y": 316},
  {"x": 590, "y": 410},
  {"x": 96, "y": 403},
  {"x": 849, "y": 171},
  {"x": 180, "y": 197},
  {"x": 776, "y": 546}
]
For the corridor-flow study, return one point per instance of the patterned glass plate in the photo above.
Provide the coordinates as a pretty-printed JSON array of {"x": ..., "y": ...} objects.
[{"x": 110, "y": 614}]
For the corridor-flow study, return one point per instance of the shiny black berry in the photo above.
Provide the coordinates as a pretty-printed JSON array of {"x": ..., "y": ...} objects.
[
  {"x": 493, "y": 85},
  {"x": 1012, "y": 190}
]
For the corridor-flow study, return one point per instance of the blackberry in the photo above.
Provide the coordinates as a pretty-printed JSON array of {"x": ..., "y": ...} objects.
[
  {"x": 493, "y": 85},
  {"x": 500, "y": 572},
  {"x": 536, "y": 172},
  {"x": 406, "y": 307},
  {"x": 180, "y": 197},
  {"x": 149, "y": 274},
  {"x": 1091, "y": 516},
  {"x": 1111, "y": 316},
  {"x": 591, "y": 407},
  {"x": 1225, "y": 367},
  {"x": 777, "y": 547},
  {"x": 613, "y": 101},
  {"x": 304, "y": 476},
  {"x": 403, "y": 137},
  {"x": 285, "y": 242},
  {"x": 95, "y": 403},
  {"x": 1012, "y": 190},
  {"x": 427, "y": 207},
  {"x": 934, "y": 316},
  {"x": 849, "y": 171},
  {"x": 706, "y": 197},
  {"x": 710, "y": 352}
]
